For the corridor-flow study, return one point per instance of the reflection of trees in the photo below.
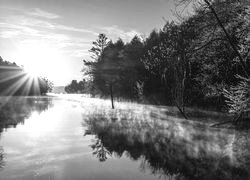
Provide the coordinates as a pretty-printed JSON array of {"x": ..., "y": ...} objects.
[
  {"x": 15, "y": 110},
  {"x": 100, "y": 151},
  {"x": 172, "y": 149},
  {"x": 1, "y": 158},
  {"x": 241, "y": 148}
]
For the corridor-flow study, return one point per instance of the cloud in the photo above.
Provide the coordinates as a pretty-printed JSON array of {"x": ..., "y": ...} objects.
[
  {"x": 14, "y": 30},
  {"x": 23, "y": 27},
  {"x": 45, "y": 24},
  {"x": 43, "y": 14},
  {"x": 70, "y": 28},
  {"x": 114, "y": 32},
  {"x": 9, "y": 34},
  {"x": 41, "y": 26},
  {"x": 66, "y": 43}
]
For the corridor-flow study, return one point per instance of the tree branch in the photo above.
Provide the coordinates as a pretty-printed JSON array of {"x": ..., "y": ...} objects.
[{"x": 244, "y": 66}]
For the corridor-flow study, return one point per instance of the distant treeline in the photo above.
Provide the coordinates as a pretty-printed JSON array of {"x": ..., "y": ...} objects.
[
  {"x": 15, "y": 81},
  {"x": 81, "y": 87},
  {"x": 189, "y": 62}
]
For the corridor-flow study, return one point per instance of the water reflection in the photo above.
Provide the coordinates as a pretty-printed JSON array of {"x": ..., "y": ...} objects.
[
  {"x": 50, "y": 145},
  {"x": 171, "y": 149},
  {"x": 14, "y": 110},
  {"x": 2, "y": 163},
  {"x": 100, "y": 151}
]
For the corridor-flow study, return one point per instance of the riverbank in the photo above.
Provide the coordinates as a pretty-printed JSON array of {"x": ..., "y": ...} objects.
[{"x": 164, "y": 112}]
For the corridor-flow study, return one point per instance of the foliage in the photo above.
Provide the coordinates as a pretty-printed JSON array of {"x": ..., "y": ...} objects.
[
  {"x": 238, "y": 97},
  {"x": 76, "y": 87},
  {"x": 45, "y": 85},
  {"x": 188, "y": 62},
  {"x": 93, "y": 65}
]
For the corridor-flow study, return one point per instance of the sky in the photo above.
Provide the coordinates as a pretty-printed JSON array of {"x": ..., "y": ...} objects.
[{"x": 51, "y": 38}]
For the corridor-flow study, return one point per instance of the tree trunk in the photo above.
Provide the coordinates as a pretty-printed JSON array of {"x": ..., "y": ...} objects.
[
  {"x": 181, "y": 111},
  {"x": 181, "y": 78},
  {"x": 111, "y": 95}
]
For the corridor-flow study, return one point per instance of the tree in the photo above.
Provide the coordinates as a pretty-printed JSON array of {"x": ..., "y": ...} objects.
[
  {"x": 238, "y": 97},
  {"x": 92, "y": 65},
  {"x": 99, "y": 46},
  {"x": 45, "y": 85},
  {"x": 109, "y": 67},
  {"x": 185, "y": 63},
  {"x": 244, "y": 66},
  {"x": 228, "y": 25},
  {"x": 168, "y": 59},
  {"x": 101, "y": 69},
  {"x": 76, "y": 87},
  {"x": 132, "y": 70}
]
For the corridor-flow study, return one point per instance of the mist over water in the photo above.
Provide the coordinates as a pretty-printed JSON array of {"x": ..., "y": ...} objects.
[{"x": 83, "y": 138}]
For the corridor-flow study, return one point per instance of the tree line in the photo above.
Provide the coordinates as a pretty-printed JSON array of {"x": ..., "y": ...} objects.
[
  {"x": 201, "y": 60},
  {"x": 78, "y": 87}
]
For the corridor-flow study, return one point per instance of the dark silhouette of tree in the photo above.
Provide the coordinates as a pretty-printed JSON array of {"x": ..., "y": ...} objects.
[
  {"x": 76, "y": 87},
  {"x": 110, "y": 66},
  {"x": 45, "y": 85},
  {"x": 99, "y": 46},
  {"x": 95, "y": 67}
]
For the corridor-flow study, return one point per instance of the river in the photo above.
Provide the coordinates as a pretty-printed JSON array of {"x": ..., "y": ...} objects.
[{"x": 72, "y": 137}]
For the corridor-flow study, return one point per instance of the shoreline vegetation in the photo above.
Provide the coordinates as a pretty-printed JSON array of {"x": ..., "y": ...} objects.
[
  {"x": 196, "y": 114},
  {"x": 203, "y": 117},
  {"x": 24, "y": 105},
  {"x": 201, "y": 60}
]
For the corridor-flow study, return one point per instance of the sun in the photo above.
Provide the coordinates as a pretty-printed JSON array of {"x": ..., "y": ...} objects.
[
  {"x": 31, "y": 72},
  {"x": 40, "y": 59},
  {"x": 37, "y": 58}
]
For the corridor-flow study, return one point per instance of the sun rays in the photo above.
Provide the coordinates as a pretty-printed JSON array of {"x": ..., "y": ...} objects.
[{"x": 15, "y": 80}]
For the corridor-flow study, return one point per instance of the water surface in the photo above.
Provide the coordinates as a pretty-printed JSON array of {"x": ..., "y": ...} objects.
[{"x": 65, "y": 138}]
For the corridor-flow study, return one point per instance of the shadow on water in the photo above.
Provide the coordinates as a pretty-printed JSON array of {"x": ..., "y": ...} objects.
[
  {"x": 171, "y": 149},
  {"x": 15, "y": 110}
]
